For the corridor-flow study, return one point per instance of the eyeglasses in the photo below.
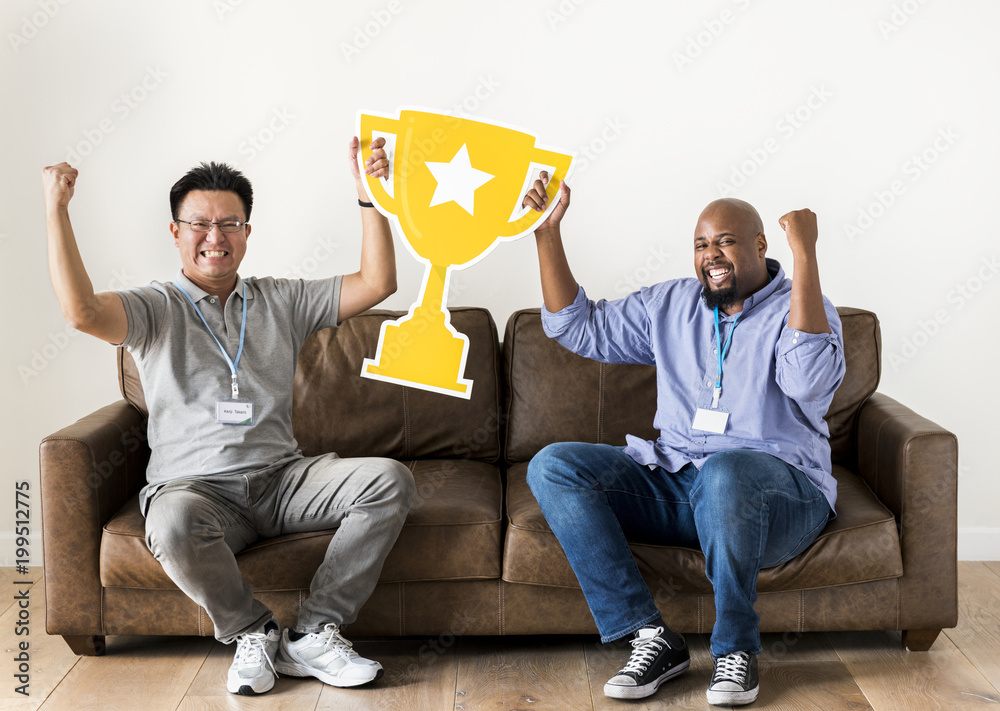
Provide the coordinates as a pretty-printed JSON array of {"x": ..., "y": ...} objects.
[{"x": 203, "y": 226}]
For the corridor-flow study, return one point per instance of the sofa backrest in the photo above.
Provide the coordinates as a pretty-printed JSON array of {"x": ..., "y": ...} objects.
[
  {"x": 336, "y": 410},
  {"x": 553, "y": 395}
]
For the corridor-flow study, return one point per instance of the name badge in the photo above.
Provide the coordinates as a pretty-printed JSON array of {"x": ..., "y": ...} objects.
[
  {"x": 234, "y": 412},
  {"x": 714, "y": 421}
]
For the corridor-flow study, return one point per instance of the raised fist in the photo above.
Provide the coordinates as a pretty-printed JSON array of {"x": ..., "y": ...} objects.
[{"x": 58, "y": 182}]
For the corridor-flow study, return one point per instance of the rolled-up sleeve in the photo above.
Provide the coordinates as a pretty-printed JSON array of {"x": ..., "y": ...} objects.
[
  {"x": 810, "y": 366},
  {"x": 609, "y": 331}
]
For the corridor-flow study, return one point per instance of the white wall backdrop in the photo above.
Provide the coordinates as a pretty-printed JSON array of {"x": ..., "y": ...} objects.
[{"x": 880, "y": 115}]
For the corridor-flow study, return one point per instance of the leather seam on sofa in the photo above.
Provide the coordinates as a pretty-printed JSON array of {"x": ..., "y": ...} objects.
[
  {"x": 501, "y": 609},
  {"x": 799, "y": 590}
]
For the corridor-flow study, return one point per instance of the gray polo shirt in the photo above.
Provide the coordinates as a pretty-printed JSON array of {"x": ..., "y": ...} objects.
[{"x": 184, "y": 374}]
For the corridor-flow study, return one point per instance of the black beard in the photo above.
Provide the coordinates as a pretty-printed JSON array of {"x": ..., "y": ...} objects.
[{"x": 719, "y": 297}]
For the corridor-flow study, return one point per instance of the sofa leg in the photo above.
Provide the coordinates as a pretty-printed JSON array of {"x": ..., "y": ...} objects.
[
  {"x": 86, "y": 645},
  {"x": 919, "y": 640}
]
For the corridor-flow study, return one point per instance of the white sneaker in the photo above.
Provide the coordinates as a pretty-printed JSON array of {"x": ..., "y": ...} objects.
[
  {"x": 253, "y": 671},
  {"x": 327, "y": 656}
]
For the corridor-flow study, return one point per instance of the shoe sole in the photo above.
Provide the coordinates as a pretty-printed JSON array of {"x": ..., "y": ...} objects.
[
  {"x": 640, "y": 692},
  {"x": 295, "y": 669},
  {"x": 732, "y": 698},
  {"x": 248, "y": 690}
]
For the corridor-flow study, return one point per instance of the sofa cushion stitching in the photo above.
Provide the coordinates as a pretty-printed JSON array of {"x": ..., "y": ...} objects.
[{"x": 500, "y": 619}]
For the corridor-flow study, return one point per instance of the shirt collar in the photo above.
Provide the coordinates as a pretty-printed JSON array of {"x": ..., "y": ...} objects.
[
  {"x": 197, "y": 293},
  {"x": 777, "y": 275}
]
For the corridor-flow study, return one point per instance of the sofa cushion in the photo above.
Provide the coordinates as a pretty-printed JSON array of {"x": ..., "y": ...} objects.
[
  {"x": 863, "y": 357},
  {"x": 336, "y": 410},
  {"x": 860, "y": 545},
  {"x": 554, "y": 395},
  {"x": 453, "y": 532}
]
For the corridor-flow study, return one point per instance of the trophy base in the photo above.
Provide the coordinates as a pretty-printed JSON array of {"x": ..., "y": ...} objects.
[{"x": 417, "y": 354}]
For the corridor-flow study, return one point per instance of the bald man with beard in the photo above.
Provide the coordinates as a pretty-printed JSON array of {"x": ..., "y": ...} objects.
[{"x": 747, "y": 362}]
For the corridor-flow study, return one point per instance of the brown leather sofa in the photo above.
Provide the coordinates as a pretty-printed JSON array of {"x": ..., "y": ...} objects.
[{"x": 476, "y": 556}]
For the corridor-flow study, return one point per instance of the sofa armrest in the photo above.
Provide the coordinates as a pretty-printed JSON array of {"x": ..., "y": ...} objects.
[
  {"x": 88, "y": 471},
  {"x": 911, "y": 464}
]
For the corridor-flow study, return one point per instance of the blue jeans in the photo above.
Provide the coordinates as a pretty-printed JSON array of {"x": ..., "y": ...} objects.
[{"x": 746, "y": 510}]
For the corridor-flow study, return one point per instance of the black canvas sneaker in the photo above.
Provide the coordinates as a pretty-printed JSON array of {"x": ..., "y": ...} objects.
[
  {"x": 653, "y": 662},
  {"x": 735, "y": 680}
]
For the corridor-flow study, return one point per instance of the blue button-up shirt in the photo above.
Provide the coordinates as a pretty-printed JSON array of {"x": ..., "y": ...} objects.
[{"x": 777, "y": 382}]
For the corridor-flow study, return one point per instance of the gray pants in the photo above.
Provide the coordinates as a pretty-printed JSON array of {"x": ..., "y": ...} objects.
[{"x": 195, "y": 527}]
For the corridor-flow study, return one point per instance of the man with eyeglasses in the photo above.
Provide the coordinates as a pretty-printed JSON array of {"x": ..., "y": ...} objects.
[{"x": 217, "y": 355}]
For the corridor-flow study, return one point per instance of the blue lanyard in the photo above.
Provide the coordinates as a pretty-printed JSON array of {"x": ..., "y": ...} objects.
[
  {"x": 243, "y": 329},
  {"x": 721, "y": 351}
]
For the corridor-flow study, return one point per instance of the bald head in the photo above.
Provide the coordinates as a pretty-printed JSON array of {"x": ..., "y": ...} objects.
[{"x": 739, "y": 209}]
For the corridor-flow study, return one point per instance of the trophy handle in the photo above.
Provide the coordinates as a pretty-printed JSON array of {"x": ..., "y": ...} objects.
[
  {"x": 367, "y": 126},
  {"x": 561, "y": 162}
]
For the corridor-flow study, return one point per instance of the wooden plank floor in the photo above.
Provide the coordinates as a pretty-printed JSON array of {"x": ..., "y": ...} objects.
[{"x": 846, "y": 670}]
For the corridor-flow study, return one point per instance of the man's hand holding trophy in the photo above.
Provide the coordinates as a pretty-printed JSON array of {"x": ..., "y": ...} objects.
[{"x": 454, "y": 190}]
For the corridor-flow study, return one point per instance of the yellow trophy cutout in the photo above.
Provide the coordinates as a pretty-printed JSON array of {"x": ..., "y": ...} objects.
[{"x": 453, "y": 191}]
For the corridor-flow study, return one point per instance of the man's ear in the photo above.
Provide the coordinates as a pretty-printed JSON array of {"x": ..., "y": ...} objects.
[
  {"x": 761, "y": 245},
  {"x": 248, "y": 231},
  {"x": 175, "y": 231}
]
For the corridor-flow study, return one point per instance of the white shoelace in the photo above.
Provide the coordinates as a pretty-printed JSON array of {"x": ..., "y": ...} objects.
[
  {"x": 250, "y": 648},
  {"x": 732, "y": 667},
  {"x": 334, "y": 639},
  {"x": 643, "y": 652}
]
